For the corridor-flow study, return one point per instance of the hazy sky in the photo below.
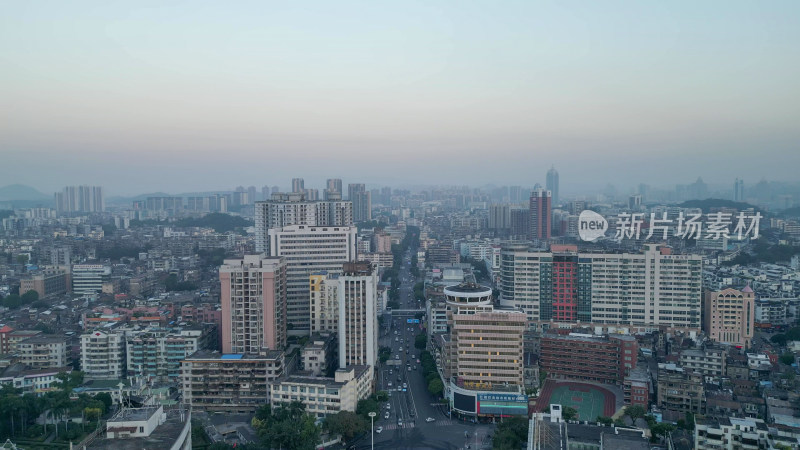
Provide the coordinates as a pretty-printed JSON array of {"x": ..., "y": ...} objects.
[{"x": 182, "y": 96}]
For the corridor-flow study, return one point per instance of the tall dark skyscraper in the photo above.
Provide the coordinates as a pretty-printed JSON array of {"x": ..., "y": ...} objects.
[
  {"x": 552, "y": 184},
  {"x": 540, "y": 213}
]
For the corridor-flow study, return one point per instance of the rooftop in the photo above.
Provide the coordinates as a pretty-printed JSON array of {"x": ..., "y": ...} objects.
[
  {"x": 163, "y": 437},
  {"x": 469, "y": 288},
  {"x": 206, "y": 355}
]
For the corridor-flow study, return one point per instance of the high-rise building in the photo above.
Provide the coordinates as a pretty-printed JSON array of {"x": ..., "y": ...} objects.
[
  {"x": 540, "y": 214},
  {"x": 251, "y": 195},
  {"x": 485, "y": 348},
  {"x": 738, "y": 190},
  {"x": 80, "y": 199},
  {"x": 334, "y": 185},
  {"x": 298, "y": 185},
  {"x": 520, "y": 223},
  {"x": 500, "y": 217},
  {"x": 729, "y": 316},
  {"x": 362, "y": 202},
  {"x": 253, "y": 297},
  {"x": 293, "y": 209},
  {"x": 308, "y": 250},
  {"x": 552, "y": 184},
  {"x": 645, "y": 290},
  {"x": 324, "y": 298},
  {"x": 358, "y": 318}
]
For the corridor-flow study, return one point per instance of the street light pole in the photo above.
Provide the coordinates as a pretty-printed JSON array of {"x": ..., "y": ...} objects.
[{"x": 372, "y": 415}]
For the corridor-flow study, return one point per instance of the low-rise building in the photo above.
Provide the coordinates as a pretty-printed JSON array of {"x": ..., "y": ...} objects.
[
  {"x": 43, "y": 351},
  {"x": 680, "y": 389},
  {"x": 157, "y": 354},
  {"x": 636, "y": 388},
  {"x": 33, "y": 381},
  {"x": 708, "y": 360},
  {"x": 323, "y": 396},
  {"x": 317, "y": 356},
  {"x": 231, "y": 383},
  {"x": 148, "y": 427},
  {"x": 730, "y": 433}
]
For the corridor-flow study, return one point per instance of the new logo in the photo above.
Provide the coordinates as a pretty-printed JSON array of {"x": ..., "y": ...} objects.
[{"x": 591, "y": 225}]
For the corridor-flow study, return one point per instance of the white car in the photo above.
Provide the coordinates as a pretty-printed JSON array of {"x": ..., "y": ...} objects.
[
  {"x": 429, "y": 419},
  {"x": 379, "y": 429},
  {"x": 405, "y": 385},
  {"x": 386, "y": 416}
]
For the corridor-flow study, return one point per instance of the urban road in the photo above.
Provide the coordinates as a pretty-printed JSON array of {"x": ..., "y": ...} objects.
[{"x": 405, "y": 421}]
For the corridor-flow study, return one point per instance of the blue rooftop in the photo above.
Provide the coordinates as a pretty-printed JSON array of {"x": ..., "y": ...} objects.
[{"x": 236, "y": 356}]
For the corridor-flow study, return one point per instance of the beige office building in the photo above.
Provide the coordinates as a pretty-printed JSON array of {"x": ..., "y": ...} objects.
[
  {"x": 324, "y": 298},
  {"x": 729, "y": 316}
]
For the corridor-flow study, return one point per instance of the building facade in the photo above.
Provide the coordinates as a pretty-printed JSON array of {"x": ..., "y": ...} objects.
[
  {"x": 103, "y": 355},
  {"x": 324, "y": 299},
  {"x": 43, "y": 352},
  {"x": 234, "y": 383},
  {"x": 47, "y": 282},
  {"x": 323, "y": 396},
  {"x": 358, "y": 318},
  {"x": 253, "y": 298},
  {"x": 600, "y": 359},
  {"x": 649, "y": 289},
  {"x": 540, "y": 214},
  {"x": 88, "y": 279},
  {"x": 308, "y": 250},
  {"x": 729, "y": 316}
]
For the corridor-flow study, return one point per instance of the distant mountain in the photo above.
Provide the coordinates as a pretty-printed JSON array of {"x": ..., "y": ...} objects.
[{"x": 14, "y": 192}]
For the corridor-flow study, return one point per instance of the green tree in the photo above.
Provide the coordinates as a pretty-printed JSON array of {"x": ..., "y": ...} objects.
[
  {"x": 287, "y": 426},
  {"x": 605, "y": 420},
  {"x": 367, "y": 405},
  {"x": 105, "y": 398},
  {"x": 421, "y": 341},
  {"x": 635, "y": 412},
  {"x": 346, "y": 424},
  {"x": 569, "y": 413},
  {"x": 787, "y": 358},
  {"x": 659, "y": 430},
  {"x": 435, "y": 386},
  {"x": 511, "y": 433},
  {"x": 779, "y": 339},
  {"x": 382, "y": 396},
  {"x": 30, "y": 297}
]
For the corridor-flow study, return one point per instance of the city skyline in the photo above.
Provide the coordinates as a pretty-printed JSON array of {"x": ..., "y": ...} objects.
[{"x": 175, "y": 97}]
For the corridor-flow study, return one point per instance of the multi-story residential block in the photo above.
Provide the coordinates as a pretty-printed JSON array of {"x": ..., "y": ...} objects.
[
  {"x": 680, "y": 389},
  {"x": 601, "y": 359},
  {"x": 323, "y": 396},
  {"x": 324, "y": 299},
  {"x": 10, "y": 338},
  {"x": 253, "y": 298},
  {"x": 636, "y": 387},
  {"x": 43, "y": 352},
  {"x": 233, "y": 383},
  {"x": 88, "y": 279},
  {"x": 642, "y": 291},
  {"x": 729, "y": 316},
  {"x": 708, "y": 360},
  {"x": 358, "y": 318},
  {"x": 103, "y": 355},
  {"x": 730, "y": 433},
  {"x": 317, "y": 356},
  {"x": 308, "y": 250},
  {"x": 47, "y": 282},
  {"x": 157, "y": 354}
]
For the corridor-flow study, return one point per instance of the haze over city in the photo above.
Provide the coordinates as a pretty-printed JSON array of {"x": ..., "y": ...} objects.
[{"x": 194, "y": 96}]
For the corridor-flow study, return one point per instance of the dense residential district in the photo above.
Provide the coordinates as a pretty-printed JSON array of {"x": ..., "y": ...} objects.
[{"x": 444, "y": 318}]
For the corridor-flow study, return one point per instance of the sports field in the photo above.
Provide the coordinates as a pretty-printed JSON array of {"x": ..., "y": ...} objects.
[{"x": 589, "y": 400}]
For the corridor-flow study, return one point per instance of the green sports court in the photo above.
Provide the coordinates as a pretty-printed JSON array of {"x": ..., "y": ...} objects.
[{"x": 590, "y": 401}]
